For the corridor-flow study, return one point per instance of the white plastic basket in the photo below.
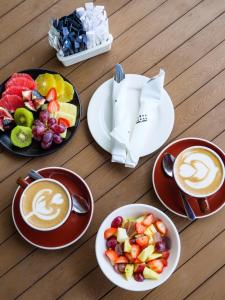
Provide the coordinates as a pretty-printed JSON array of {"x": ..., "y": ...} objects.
[{"x": 83, "y": 55}]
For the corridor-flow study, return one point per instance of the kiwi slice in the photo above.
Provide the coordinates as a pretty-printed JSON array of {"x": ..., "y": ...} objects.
[
  {"x": 21, "y": 136},
  {"x": 23, "y": 117}
]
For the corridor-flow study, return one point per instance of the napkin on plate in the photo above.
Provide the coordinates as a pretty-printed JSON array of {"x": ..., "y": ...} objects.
[{"x": 146, "y": 119}]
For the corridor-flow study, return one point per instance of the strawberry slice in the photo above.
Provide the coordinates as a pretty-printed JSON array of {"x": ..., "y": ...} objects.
[
  {"x": 140, "y": 228},
  {"x": 164, "y": 261},
  {"x": 161, "y": 227},
  {"x": 142, "y": 241},
  {"x": 110, "y": 232},
  {"x": 156, "y": 265},
  {"x": 65, "y": 122},
  {"x": 135, "y": 251},
  {"x": 53, "y": 106},
  {"x": 112, "y": 256},
  {"x": 149, "y": 219},
  {"x": 51, "y": 95},
  {"x": 121, "y": 260},
  {"x": 165, "y": 254}
]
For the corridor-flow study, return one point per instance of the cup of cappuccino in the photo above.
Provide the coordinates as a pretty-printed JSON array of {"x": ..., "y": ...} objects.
[
  {"x": 45, "y": 204},
  {"x": 199, "y": 171}
]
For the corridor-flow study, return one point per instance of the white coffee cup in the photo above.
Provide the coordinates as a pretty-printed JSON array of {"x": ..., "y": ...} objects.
[
  {"x": 178, "y": 181},
  {"x": 27, "y": 186}
]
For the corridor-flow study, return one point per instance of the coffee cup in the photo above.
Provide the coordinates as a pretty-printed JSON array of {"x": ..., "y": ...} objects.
[
  {"x": 199, "y": 171},
  {"x": 45, "y": 204}
]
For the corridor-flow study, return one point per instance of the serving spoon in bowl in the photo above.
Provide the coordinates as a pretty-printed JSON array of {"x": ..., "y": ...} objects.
[
  {"x": 167, "y": 164},
  {"x": 78, "y": 206}
]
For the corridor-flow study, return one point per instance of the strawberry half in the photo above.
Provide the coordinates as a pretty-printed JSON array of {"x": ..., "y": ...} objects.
[
  {"x": 121, "y": 260},
  {"x": 165, "y": 254},
  {"x": 142, "y": 241},
  {"x": 110, "y": 232},
  {"x": 65, "y": 122},
  {"x": 53, "y": 106},
  {"x": 149, "y": 219},
  {"x": 112, "y": 256},
  {"x": 156, "y": 265},
  {"x": 140, "y": 228},
  {"x": 135, "y": 251},
  {"x": 161, "y": 227},
  {"x": 52, "y": 95}
]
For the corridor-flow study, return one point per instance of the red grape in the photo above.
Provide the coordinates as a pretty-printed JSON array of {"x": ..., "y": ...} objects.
[
  {"x": 140, "y": 268},
  {"x": 157, "y": 237},
  {"x": 46, "y": 145},
  {"x": 38, "y": 123},
  {"x": 167, "y": 242},
  {"x": 117, "y": 222},
  {"x": 111, "y": 243},
  {"x": 119, "y": 250},
  {"x": 47, "y": 137},
  {"x": 58, "y": 128},
  {"x": 160, "y": 246},
  {"x": 138, "y": 277},
  {"x": 51, "y": 121},
  {"x": 121, "y": 267},
  {"x": 57, "y": 139},
  {"x": 44, "y": 116}
]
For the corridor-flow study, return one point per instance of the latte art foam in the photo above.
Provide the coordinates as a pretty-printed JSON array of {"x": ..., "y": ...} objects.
[
  {"x": 45, "y": 204},
  {"x": 198, "y": 171}
]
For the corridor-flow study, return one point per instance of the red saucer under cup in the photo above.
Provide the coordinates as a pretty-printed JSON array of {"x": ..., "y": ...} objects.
[
  {"x": 166, "y": 188},
  {"x": 75, "y": 226}
]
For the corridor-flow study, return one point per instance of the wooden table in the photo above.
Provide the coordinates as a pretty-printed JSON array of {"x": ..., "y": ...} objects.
[{"x": 186, "y": 38}]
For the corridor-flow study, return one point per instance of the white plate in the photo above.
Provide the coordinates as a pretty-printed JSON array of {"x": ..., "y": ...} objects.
[{"x": 99, "y": 113}]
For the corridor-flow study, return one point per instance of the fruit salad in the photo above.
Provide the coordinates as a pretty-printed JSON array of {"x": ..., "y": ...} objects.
[
  {"x": 37, "y": 109},
  {"x": 138, "y": 247}
]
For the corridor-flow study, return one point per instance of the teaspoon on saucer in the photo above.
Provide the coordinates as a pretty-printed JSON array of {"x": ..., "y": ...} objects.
[
  {"x": 167, "y": 164},
  {"x": 77, "y": 206}
]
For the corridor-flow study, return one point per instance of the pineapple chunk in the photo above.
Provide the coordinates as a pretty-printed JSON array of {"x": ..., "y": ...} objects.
[
  {"x": 140, "y": 219},
  {"x": 129, "y": 270},
  {"x": 149, "y": 274},
  {"x": 127, "y": 246},
  {"x": 121, "y": 235},
  {"x": 154, "y": 256},
  {"x": 145, "y": 253}
]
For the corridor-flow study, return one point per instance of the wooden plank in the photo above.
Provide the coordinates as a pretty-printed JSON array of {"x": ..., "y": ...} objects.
[
  {"x": 213, "y": 288},
  {"x": 6, "y": 5},
  {"x": 136, "y": 186},
  {"x": 23, "y": 13},
  {"x": 66, "y": 275},
  {"x": 86, "y": 96}
]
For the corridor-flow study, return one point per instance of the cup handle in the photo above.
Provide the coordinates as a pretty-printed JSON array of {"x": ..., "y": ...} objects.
[
  {"x": 20, "y": 181},
  {"x": 204, "y": 205}
]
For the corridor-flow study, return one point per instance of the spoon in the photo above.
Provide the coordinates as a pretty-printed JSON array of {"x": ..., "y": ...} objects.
[
  {"x": 167, "y": 164},
  {"x": 77, "y": 206}
]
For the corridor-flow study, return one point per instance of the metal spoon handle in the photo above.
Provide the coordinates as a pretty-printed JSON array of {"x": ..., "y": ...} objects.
[
  {"x": 34, "y": 175},
  {"x": 188, "y": 209}
]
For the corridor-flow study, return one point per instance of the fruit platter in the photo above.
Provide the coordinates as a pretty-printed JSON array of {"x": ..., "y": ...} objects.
[
  {"x": 39, "y": 112},
  {"x": 138, "y": 248}
]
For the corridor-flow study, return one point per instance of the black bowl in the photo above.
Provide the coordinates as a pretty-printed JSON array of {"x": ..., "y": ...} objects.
[{"x": 35, "y": 149}]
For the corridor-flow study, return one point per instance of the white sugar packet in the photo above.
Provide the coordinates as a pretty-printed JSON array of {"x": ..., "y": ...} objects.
[{"x": 145, "y": 126}]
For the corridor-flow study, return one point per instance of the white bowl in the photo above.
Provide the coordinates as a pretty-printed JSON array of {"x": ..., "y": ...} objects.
[{"x": 135, "y": 210}]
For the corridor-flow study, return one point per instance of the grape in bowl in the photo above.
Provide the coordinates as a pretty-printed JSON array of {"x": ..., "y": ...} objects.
[{"x": 136, "y": 282}]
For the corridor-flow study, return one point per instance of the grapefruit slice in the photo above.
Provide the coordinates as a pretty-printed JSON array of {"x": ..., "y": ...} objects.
[
  {"x": 21, "y": 81},
  {"x": 15, "y": 75},
  {"x": 11, "y": 102},
  {"x": 14, "y": 90}
]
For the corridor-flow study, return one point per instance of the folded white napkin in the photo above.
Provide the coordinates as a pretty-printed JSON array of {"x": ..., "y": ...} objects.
[
  {"x": 120, "y": 123},
  {"x": 146, "y": 120}
]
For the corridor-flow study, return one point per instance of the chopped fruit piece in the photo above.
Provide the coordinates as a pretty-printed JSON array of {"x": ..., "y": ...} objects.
[
  {"x": 129, "y": 270},
  {"x": 140, "y": 228},
  {"x": 121, "y": 235},
  {"x": 36, "y": 95},
  {"x": 51, "y": 95},
  {"x": 110, "y": 232},
  {"x": 139, "y": 277},
  {"x": 149, "y": 219},
  {"x": 135, "y": 251},
  {"x": 154, "y": 256},
  {"x": 44, "y": 83},
  {"x": 65, "y": 122},
  {"x": 30, "y": 105},
  {"x": 120, "y": 268},
  {"x": 140, "y": 219},
  {"x": 21, "y": 81},
  {"x": 129, "y": 257},
  {"x": 145, "y": 253},
  {"x": 164, "y": 261},
  {"x": 11, "y": 102},
  {"x": 112, "y": 256},
  {"x": 121, "y": 260},
  {"x": 149, "y": 274},
  {"x": 148, "y": 231},
  {"x": 127, "y": 246},
  {"x": 165, "y": 254},
  {"x": 137, "y": 261},
  {"x": 119, "y": 249},
  {"x": 27, "y": 95},
  {"x": 130, "y": 228},
  {"x": 156, "y": 265},
  {"x": 68, "y": 93},
  {"x": 160, "y": 226},
  {"x": 117, "y": 222},
  {"x": 53, "y": 106},
  {"x": 139, "y": 268},
  {"x": 25, "y": 75},
  {"x": 23, "y": 117},
  {"x": 59, "y": 85},
  {"x": 142, "y": 241},
  {"x": 21, "y": 136},
  {"x": 14, "y": 90},
  {"x": 38, "y": 103},
  {"x": 111, "y": 243}
]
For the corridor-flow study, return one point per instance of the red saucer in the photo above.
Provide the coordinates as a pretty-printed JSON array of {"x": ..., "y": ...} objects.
[
  {"x": 167, "y": 190},
  {"x": 72, "y": 229}
]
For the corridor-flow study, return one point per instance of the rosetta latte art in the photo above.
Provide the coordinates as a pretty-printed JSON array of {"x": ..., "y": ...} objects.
[
  {"x": 46, "y": 205},
  {"x": 198, "y": 170}
]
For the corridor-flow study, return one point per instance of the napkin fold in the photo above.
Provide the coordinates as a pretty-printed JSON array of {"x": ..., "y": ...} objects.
[{"x": 146, "y": 120}]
